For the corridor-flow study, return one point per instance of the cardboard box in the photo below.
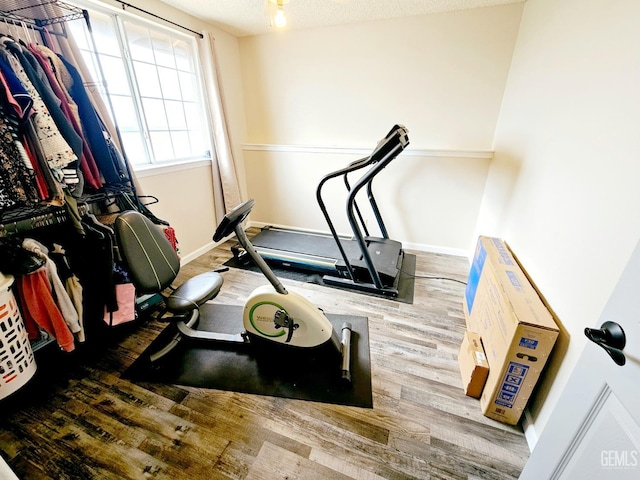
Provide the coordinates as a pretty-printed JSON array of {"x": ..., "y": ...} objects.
[
  {"x": 474, "y": 367},
  {"x": 517, "y": 330}
]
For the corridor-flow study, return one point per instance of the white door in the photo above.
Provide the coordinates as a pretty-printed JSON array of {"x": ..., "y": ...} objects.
[{"x": 594, "y": 431}]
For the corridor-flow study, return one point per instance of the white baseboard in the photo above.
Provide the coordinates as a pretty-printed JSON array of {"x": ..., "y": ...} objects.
[
  {"x": 458, "y": 252},
  {"x": 287, "y": 227},
  {"x": 529, "y": 430},
  {"x": 195, "y": 254}
]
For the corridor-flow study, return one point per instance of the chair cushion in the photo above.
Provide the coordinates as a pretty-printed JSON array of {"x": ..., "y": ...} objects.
[
  {"x": 152, "y": 262},
  {"x": 194, "y": 292}
]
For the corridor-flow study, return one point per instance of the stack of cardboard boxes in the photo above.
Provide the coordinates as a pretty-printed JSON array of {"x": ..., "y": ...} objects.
[{"x": 507, "y": 317}]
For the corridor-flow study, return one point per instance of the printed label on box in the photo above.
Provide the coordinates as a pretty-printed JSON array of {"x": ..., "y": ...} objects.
[
  {"x": 511, "y": 384},
  {"x": 474, "y": 275},
  {"x": 505, "y": 256},
  {"x": 529, "y": 343},
  {"x": 515, "y": 281},
  {"x": 513, "y": 379}
]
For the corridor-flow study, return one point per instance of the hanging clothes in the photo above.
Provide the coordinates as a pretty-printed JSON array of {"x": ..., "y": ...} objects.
[
  {"x": 39, "y": 309},
  {"x": 53, "y": 146},
  {"x": 111, "y": 167},
  {"x": 71, "y": 284},
  {"x": 15, "y": 93},
  {"x": 18, "y": 183},
  {"x": 17, "y": 186},
  {"x": 52, "y": 185},
  {"x": 91, "y": 258},
  {"x": 50, "y": 63},
  {"x": 58, "y": 153},
  {"x": 41, "y": 83},
  {"x": 62, "y": 299}
]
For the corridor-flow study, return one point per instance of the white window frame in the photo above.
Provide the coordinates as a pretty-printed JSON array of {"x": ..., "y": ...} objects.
[{"x": 153, "y": 166}]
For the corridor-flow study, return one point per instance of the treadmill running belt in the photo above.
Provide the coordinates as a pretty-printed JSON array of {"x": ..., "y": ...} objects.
[
  {"x": 304, "y": 243},
  {"x": 406, "y": 282}
]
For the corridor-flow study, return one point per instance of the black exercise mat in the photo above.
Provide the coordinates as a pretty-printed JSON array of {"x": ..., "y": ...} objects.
[
  {"x": 241, "y": 369},
  {"x": 406, "y": 282}
]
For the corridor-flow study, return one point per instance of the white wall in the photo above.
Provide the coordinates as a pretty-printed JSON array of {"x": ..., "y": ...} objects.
[
  {"x": 440, "y": 75},
  {"x": 563, "y": 186}
]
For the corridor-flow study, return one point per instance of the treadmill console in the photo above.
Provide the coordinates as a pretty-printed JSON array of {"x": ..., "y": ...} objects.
[{"x": 397, "y": 136}]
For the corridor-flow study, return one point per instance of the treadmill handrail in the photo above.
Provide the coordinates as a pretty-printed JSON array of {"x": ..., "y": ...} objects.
[
  {"x": 366, "y": 179},
  {"x": 374, "y": 207},
  {"x": 363, "y": 162},
  {"x": 387, "y": 149},
  {"x": 398, "y": 133}
]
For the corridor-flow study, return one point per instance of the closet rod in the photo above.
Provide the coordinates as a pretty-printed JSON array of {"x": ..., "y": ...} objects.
[
  {"x": 37, "y": 29},
  {"x": 42, "y": 219},
  {"x": 125, "y": 4},
  {"x": 19, "y": 23}
]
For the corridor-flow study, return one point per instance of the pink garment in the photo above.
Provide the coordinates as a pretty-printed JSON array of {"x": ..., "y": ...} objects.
[
  {"x": 39, "y": 307},
  {"x": 11, "y": 100}
]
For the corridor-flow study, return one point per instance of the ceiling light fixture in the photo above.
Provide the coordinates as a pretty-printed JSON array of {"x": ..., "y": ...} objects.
[{"x": 279, "y": 19}]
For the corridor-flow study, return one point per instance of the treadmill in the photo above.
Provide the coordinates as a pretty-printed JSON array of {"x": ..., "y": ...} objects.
[{"x": 361, "y": 262}]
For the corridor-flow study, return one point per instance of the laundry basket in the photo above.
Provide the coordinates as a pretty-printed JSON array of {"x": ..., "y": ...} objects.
[{"x": 17, "y": 363}]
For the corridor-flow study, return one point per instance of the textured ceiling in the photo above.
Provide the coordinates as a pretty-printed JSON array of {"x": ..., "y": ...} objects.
[{"x": 251, "y": 17}]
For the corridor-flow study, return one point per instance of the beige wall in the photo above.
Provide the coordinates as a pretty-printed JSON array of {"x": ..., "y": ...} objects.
[
  {"x": 186, "y": 202},
  {"x": 563, "y": 187},
  {"x": 411, "y": 193},
  {"x": 442, "y": 76}
]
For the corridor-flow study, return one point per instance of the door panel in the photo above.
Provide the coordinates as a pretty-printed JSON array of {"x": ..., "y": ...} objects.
[{"x": 594, "y": 431}]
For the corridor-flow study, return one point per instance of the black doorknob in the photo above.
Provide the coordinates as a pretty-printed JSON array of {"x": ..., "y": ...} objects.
[{"x": 611, "y": 337}]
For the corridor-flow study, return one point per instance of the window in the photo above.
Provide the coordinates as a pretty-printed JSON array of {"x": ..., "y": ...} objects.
[{"x": 153, "y": 82}]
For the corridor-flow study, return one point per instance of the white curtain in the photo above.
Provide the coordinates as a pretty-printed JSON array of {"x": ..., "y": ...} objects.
[{"x": 226, "y": 189}]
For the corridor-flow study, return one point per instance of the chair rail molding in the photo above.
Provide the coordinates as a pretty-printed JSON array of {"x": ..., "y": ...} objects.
[{"x": 416, "y": 152}]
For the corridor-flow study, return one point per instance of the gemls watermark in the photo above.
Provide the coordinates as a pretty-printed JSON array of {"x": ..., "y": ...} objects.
[{"x": 619, "y": 459}]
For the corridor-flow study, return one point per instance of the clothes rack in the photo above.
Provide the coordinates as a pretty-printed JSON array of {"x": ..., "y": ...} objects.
[
  {"x": 27, "y": 13},
  {"x": 22, "y": 18},
  {"x": 23, "y": 219},
  {"x": 22, "y": 11}
]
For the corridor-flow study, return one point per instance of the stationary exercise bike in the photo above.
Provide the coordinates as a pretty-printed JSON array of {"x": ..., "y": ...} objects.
[{"x": 274, "y": 319}]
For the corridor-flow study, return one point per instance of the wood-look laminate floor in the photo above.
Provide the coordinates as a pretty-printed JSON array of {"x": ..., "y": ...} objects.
[{"x": 80, "y": 420}]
